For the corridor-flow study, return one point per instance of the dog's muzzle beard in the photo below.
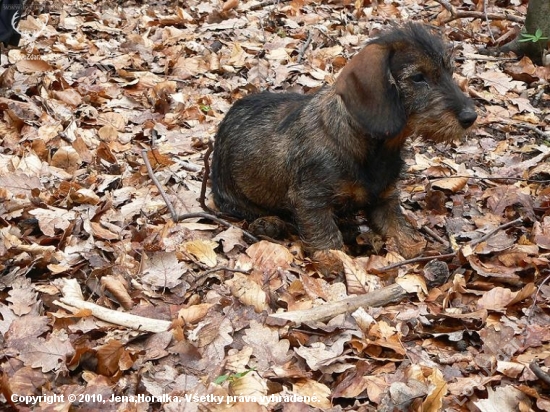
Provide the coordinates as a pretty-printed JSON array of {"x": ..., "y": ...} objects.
[
  {"x": 309, "y": 156},
  {"x": 442, "y": 126}
]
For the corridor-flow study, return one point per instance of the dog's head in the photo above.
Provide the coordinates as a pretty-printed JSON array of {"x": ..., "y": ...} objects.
[{"x": 402, "y": 80}]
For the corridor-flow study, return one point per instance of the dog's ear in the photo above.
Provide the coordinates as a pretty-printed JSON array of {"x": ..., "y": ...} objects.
[{"x": 370, "y": 92}]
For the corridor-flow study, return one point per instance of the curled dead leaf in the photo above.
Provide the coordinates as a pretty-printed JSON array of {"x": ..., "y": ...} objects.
[
  {"x": 314, "y": 390},
  {"x": 33, "y": 66},
  {"x": 230, "y": 4},
  {"x": 248, "y": 292},
  {"x": 269, "y": 256},
  {"x": 194, "y": 313},
  {"x": 413, "y": 284},
  {"x": 453, "y": 184},
  {"x": 203, "y": 251},
  {"x": 66, "y": 158},
  {"x": 251, "y": 384},
  {"x": 84, "y": 196}
]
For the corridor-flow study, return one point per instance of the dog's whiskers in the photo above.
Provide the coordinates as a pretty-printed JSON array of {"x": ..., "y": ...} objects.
[{"x": 336, "y": 152}]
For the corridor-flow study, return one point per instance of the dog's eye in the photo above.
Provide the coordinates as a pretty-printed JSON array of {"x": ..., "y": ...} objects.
[{"x": 418, "y": 78}]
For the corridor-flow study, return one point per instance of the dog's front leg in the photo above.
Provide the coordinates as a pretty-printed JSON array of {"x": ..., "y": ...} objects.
[
  {"x": 320, "y": 235},
  {"x": 387, "y": 219},
  {"x": 318, "y": 228}
]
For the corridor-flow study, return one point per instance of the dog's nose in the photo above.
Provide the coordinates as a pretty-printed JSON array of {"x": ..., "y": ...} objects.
[{"x": 467, "y": 118}]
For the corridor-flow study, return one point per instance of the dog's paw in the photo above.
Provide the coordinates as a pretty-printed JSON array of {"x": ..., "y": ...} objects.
[
  {"x": 410, "y": 243},
  {"x": 326, "y": 262},
  {"x": 270, "y": 226}
]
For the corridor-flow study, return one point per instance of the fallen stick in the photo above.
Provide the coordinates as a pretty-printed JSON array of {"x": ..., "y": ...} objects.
[
  {"x": 380, "y": 297},
  {"x": 436, "y": 273},
  {"x": 178, "y": 218},
  {"x": 73, "y": 299}
]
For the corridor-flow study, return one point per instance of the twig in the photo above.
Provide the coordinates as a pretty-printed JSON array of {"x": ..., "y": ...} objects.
[
  {"x": 516, "y": 179},
  {"x": 435, "y": 235},
  {"x": 205, "y": 177},
  {"x": 485, "y": 58},
  {"x": 305, "y": 46},
  {"x": 539, "y": 373},
  {"x": 415, "y": 260},
  {"x": 376, "y": 298},
  {"x": 529, "y": 127},
  {"x": 265, "y": 3},
  {"x": 190, "y": 167},
  {"x": 532, "y": 310},
  {"x": 487, "y": 20},
  {"x": 157, "y": 184},
  {"x": 178, "y": 218},
  {"x": 481, "y": 15},
  {"x": 449, "y": 255},
  {"x": 216, "y": 219},
  {"x": 447, "y": 6},
  {"x": 460, "y": 14},
  {"x": 492, "y": 232}
]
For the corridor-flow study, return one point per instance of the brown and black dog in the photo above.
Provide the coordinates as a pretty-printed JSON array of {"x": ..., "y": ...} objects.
[{"x": 313, "y": 158}]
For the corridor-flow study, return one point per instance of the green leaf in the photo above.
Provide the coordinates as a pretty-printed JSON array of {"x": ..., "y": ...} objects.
[{"x": 221, "y": 379}]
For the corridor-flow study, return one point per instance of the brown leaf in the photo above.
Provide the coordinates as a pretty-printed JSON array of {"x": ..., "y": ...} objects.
[
  {"x": 251, "y": 385},
  {"x": 499, "y": 298},
  {"x": 19, "y": 182},
  {"x": 52, "y": 219},
  {"x": 452, "y": 184},
  {"x": 203, "y": 251},
  {"x": 118, "y": 289},
  {"x": 66, "y": 158},
  {"x": 84, "y": 196},
  {"x": 413, "y": 284},
  {"x": 438, "y": 389},
  {"x": 248, "y": 292},
  {"x": 313, "y": 390},
  {"x": 357, "y": 279},
  {"x": 109, "y": 356},
  {"x": 69, "y": 96},
  {"x": 269, "y": 256},
  {"x": 33, "y": 66},
  {"x": 49, "y": 354},
  {"x": 230, "y": 238},
  {"x": 163, "y": 270},
  {"x": 504, "y": 398},
  {"x": 541, "y": 233},
  {"x": 230, "y": 4},
  {"x": 194, "y": 313},
  {"x": 102, "y": 233},
  {"x": 268, "y": 347}
]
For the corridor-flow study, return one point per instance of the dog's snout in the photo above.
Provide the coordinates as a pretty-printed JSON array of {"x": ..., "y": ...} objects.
[{"x": 467, "y": 117}]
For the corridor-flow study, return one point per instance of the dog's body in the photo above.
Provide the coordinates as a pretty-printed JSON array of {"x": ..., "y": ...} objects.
[{"x": 338, "y": 151}]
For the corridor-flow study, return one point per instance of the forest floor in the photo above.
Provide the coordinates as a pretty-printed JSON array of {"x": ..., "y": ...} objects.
[{"x": 99, "y": 91}]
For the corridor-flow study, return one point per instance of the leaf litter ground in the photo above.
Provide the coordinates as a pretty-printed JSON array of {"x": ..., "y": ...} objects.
[{"x": 87, "y": 244}]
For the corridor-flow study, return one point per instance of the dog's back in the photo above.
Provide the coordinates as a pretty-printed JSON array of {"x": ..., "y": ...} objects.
[
  {"x": 339, "y": 149},
  {"x": 250, "y": 174}
]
